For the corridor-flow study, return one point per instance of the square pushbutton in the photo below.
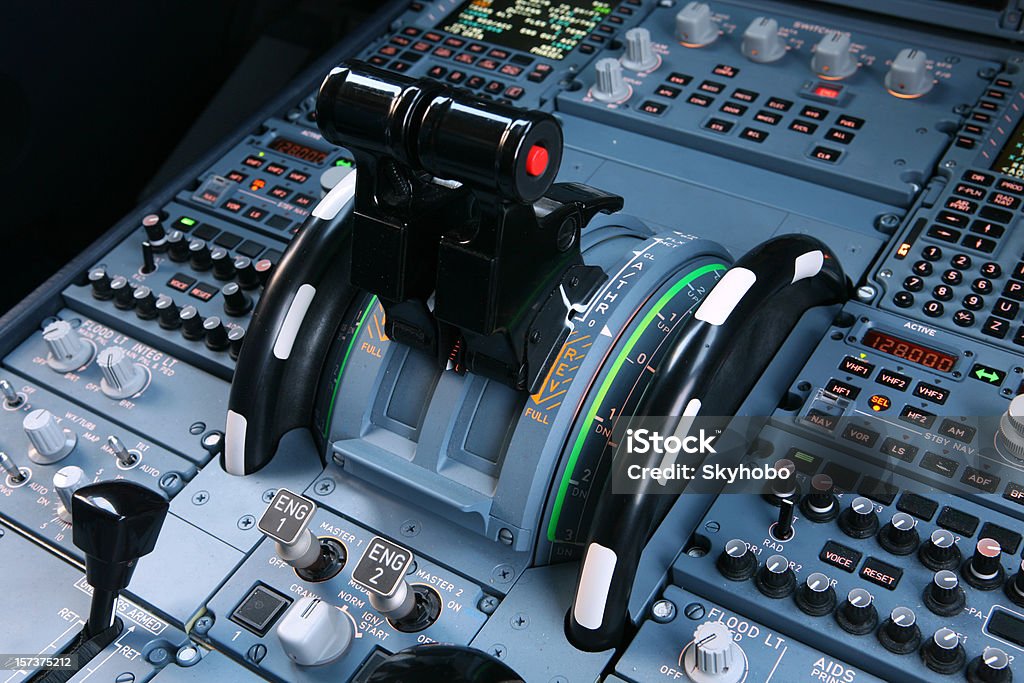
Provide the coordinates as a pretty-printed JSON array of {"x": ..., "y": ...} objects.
[
  {"x": 260, "y": 609},
  {"x": 881, "y": 573}
]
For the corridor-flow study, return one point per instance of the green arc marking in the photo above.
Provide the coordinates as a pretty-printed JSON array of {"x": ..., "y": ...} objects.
[
  {"x": 609, "y": 379},
  {"x": 344, "y": 361}
]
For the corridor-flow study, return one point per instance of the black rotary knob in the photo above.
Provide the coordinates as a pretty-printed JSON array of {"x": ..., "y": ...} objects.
[
  {"x": 216, "y": 334},
  {"x": 860, "y": 519},
  {"x": 167, "y": 312},
  {"x": 245, "y": 273},
  {"x": 900, "y": 535},
  {"x": 776, "y": 579},
  {"x": 264, "y": 269},
  {"x": 944, "y": 596},
  {"x": 191, "y": 323},
  {"x": 820, "y": 504},
  {"x": 123, "y": 293},
  {"x": 940, "y": 551},
  {"x": 943, "y": 653},
  {"x": 1015, "y": 586},
  {"x": 900, "y": 632},
  {"x": 236, "y": 302},
  {"x": 223, "y": 264},
  {"x": 100, "y": 283},
  {"x": 857, "y": 614},
  {"x": 177, "y": 246},
  {"x": 145, "y": 303},
  {"x": 199, "y": 255},
  {"x": 737, "y": 561},
  {"x": 991, "y": 666},
  {"x": 984, "y": 570},
  {"x": 784, "y": 486},
  {"x": 236, "y": 337},
  {"x": 816, "y": 596},
  {"x": 155, "y": 233}
]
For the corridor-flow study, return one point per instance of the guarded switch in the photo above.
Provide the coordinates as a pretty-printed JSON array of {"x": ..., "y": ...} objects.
[
  {"x": 908, "y": 75},
  {"x": 762, "y": 42},
  {"x": 832, "y": 57}
]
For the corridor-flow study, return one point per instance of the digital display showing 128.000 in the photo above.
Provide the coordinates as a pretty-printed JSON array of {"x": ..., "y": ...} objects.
[
  {"x": 909, "y": 351},
  {"x": 546, "y": 28}
]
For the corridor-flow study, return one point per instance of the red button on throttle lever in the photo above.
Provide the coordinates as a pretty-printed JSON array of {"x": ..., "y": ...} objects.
[{"x": 536, "y": 161}]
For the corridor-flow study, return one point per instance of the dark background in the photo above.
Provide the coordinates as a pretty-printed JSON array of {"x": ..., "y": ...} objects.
[{"x": 102, "y": 102}]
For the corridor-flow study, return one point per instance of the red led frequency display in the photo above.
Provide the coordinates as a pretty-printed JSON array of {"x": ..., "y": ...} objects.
[
  {"x": 909, "y": 351},
  {"x": 298, "y": 150}
]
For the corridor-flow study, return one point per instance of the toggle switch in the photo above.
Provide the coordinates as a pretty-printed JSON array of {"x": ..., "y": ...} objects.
[
  {"x": 148, "y": 259},
  {"x": 12, "y": 399},
  {"x": 68, "y": 350},
  {"x": 50, "y": 442},
  {"x": 126, "y": 459},
  {"x": 15, "y": 475},
  {"x": 782, "y": 529}
]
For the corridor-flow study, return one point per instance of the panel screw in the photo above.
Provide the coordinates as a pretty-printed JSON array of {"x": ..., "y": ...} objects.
[
  {"x": 535, "y": 336},
  {"x": 520, "y": 621},
  {"x": 170, "y": 481},
  {"x": 246, "y": 522},
  {"x": 987, "y": 73},
  {"x": 126, "y": 677},
  {"x": 256, "y": 653},
  {"x": 268, "y": 495},
  {"x": 866, "y": 293},
  {"x": 487, "y": 604},
  {"x": 503, "y": 573},
  {"x": 694, "y": 611},
  {"x": 663, "y": 611},
  {"x": 410, "y": 528},
  {"x": 197, "y": 428},
  {"x": 888, "y": 221},
  {"x": 712, "y": 527},
  {"x": 325, "y": 487},
  {"x": 559, "y": 679},
  {"x": 498, "y": 650},
  {"x": 201, "y": 497},
  {"x": 203, "y": 625},
  {"x": 505, "y": 536}
]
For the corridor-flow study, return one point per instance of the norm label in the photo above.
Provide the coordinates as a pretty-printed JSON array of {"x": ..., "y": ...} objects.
[
  {"x": 382, "y": 567},
  {"x": 286, "y": 517}
]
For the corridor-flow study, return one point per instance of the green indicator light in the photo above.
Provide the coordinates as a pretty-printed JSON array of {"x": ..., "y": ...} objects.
[
  {"x": 262, "y": 154},
  {"x": 185, "y": 220},
  {"x": 344, "y": 361},
  {"x": 803, "y": 456},
  {"x": 343, "y": 162},
  {"x": 588, "y": 422}
]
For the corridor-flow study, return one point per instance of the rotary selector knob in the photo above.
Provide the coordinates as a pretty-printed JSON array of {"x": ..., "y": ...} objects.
[
  {"x": 900, "y": 632},
  {"x": 860, "y": 519},
  {"x": 991, "y": 666},
  {"x": 943, "y": 653},
  {"x": 122, "y": 377},
  {"x": 124, "y": 293},
  {"x": 145, "y": 303},
  {"x": 858, "y": 615},
  {"x": 984, "y": 570},
  {"x": 1015, "y": 586},
  {"x": 694, "y": 25},
  {"x": 832, "y": 57},
  {"x": 313, "y": 632},
  {"x": 236, "y": 302},
  {"x": 167, "y": 312},
  {"x": 610, "y": 86},
  {"x": 66, "y": 481},
  {"x": 223, "y": 264},
  {"x": 908, "y": 75},
  {"x": 639, "y": 51},
  {"x": 900, "y": 535},
  {"x": 737, "y": 562},
  {"x": 199, "y": 255},
  {"x": 100, "y": 283},
  {"x": 776, "y": 579},
  {"x": 714, "y": 655},
  {"x": 68, "y": 350},
  {"x": 944, "y": 596},
  {"x": 816, "y": 596},
  {"x": 762, "y": 42},
  {"x": 177, "y": 246},
  {"x": 1010, "y": 438},
  {"x": 940, "y": 551},
  {"x": 820, "y": 504},
  {"x": 50, "y": 442}
]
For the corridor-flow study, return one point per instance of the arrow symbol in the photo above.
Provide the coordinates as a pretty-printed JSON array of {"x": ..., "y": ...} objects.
[{"x": 987, "y": 375}]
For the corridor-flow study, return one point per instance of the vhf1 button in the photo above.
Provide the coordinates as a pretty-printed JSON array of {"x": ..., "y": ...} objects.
[{"x": 857, "y": 367}]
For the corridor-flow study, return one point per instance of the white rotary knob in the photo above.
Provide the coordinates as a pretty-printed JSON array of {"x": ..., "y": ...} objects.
[
  {"x": 68, "y": 351},
  {"x": 50, "y": 442},
  {"x": 66, "y": 481},
  {"x": 122, "y": 377},
  {"x": 714, "y": 656}
]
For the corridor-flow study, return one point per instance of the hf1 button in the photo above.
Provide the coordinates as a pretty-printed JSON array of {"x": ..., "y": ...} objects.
[{"x": 841, "y": 389}]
